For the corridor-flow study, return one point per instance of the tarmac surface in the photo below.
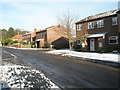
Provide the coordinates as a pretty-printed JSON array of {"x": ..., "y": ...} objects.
[{"x": 67, "y": 72}]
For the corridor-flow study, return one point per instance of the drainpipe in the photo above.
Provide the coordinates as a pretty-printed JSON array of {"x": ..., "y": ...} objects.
[{"x": 118, "y": 15}]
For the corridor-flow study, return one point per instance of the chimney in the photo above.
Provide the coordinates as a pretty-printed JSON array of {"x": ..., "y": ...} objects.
[{"x": 59, "y": 25}]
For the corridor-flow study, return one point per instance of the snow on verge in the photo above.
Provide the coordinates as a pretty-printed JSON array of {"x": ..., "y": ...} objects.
[
  {"x": 16, "y": 76},
  {"x": 98, "y": 56}
]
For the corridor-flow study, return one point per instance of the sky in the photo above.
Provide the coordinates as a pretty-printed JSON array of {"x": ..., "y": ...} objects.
[{"x": 28, "y": 15}]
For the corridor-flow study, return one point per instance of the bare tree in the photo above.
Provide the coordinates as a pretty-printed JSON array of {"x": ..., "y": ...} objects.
[{"x": 68, "y": 20}]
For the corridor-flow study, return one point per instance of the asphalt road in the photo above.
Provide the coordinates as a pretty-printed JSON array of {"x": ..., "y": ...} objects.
[{"x": 69, "y": 72}]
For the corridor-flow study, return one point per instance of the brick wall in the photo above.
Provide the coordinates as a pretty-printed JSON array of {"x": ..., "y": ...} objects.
[{"x": 111, "y": 31}]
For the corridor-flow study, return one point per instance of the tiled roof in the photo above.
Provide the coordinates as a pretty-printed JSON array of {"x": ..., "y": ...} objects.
[
  {"x": 17, "y": 37},
  {"x": 55, "y": 26},
  {"x": 100, "y": 15}
]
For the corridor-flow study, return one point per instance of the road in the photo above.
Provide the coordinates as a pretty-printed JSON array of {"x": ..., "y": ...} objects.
[{"x": 68, "y": 72}]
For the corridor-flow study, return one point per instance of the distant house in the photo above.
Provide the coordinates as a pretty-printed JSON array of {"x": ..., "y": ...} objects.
[
  {"x": 51, "y": 37},
  {"x": 99, "y": 32},
  {"x": 17, "y": 37},
  {"x": 33, "y": 35},
  {"x": 26, "y": 38},
  {"x": 41, "y": 38}
]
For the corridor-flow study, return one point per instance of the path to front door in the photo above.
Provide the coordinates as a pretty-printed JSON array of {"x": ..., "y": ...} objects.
[{"x": 92, "y": 44}]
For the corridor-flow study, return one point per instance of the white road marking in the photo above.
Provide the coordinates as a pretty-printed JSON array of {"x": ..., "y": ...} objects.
[{"x": 10, "y": 54}]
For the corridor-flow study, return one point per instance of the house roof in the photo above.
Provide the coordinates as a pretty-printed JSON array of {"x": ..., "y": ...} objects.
[
  {"x": 55, "y": 26},
  {"x": 51, "y": 27},
  {"x": 97, "y": 16},
  {"x": 17, "y": 37},
  {"x": 60, "y": 39}
]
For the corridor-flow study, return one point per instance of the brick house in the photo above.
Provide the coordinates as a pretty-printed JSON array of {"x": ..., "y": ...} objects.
[
  {"x": 26, "y": 38},
  {"x": 33, "y": 35},
  {"x": 51, "y": 36},
  {"x": 40, "y": 38},
  {"x": 99, "y": 32}
]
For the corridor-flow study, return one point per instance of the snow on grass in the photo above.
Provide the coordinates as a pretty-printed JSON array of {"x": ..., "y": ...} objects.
[
  {"x": 90, "y": 55},
  {"x": 16, "y": 76}
]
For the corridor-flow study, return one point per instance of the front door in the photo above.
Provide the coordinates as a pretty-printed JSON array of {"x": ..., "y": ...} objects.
[{"x": 92, "y": 44}]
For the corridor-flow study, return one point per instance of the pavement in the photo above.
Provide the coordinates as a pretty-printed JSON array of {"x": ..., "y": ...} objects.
[{"x": 67, "y": 72}]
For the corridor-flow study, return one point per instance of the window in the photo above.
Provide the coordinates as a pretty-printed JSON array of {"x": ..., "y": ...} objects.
[
  {"x": 100, "y": 24},
  {"x": 113, "y": 40},
  {"x": 79, "y": 42},
  {"x": 114, "y": 21},
  {"x": 79, "y": 27},
  {"x": 28, "y": 36},
  {"x": 90, "y": 25}
]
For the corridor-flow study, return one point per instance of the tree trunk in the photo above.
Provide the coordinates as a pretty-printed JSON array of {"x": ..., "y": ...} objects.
[{"x": 70, "y": 46}]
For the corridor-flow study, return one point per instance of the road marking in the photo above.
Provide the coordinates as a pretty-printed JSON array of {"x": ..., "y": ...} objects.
[{"x": 10, "y": 54}]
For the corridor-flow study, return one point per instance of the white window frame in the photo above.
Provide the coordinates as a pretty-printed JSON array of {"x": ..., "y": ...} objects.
[
  {"x": 78, "y": 42},
  {"x": 114, "y": 21},
  {"x": 100, "y": 23},
  {"x": 91, "y": 25},
  {"x": 79, "y": 27},
  {"x": 113, "y": 37}
]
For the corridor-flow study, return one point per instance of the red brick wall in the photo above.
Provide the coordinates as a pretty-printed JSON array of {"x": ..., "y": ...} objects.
[
  {"x": 54, "y": 33},
  {"x": 107, "y": 27},
  {"x": 111, "y": 31}
]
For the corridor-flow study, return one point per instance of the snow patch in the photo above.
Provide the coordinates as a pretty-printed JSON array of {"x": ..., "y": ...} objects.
[
  {"x": 98, "y": 56},
  {"x": 16, "y": 76}
]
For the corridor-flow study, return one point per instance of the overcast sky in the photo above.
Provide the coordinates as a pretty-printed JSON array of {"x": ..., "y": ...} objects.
[{"x": 29, "y": 15}]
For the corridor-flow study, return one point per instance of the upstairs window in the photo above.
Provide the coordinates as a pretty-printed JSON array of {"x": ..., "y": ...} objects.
[
  {"x": 79, "y": 27},
  {"x": 90, "y": 25},
  {"x": 114, "y": 21},
  {"x": 100, "y": 24},
  {"x": 113, "y": 40}
]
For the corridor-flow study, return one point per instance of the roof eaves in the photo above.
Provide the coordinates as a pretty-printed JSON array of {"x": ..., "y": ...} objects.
[{"x": 98, "y": 16}]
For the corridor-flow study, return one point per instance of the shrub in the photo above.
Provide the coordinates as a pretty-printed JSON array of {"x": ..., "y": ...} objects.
[
  {"x": 44, "y": 46},
  {"x": 15, "y": 41},
  {"x": 33, "y": 44},
  {"x": 7, "y": 41},
  {"x": 25, "y": 43},
  {"x": 78, "y": 48}
]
